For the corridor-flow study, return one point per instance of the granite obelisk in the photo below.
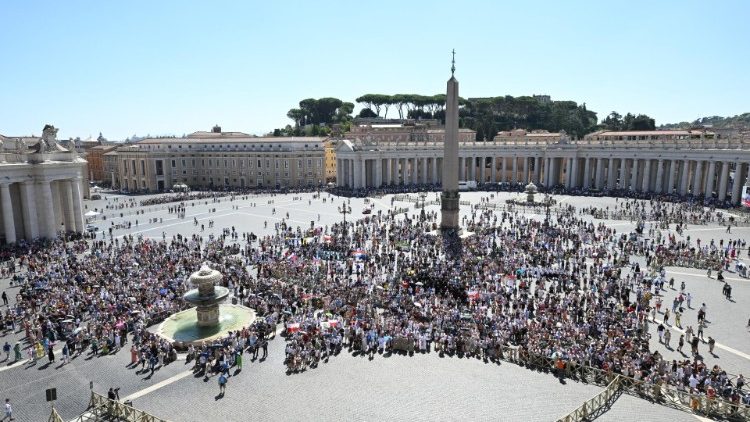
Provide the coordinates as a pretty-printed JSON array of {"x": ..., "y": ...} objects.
[{"x": 449, "y": 197}]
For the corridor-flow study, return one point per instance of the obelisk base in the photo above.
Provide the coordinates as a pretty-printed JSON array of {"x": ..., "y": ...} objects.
[{"x": 449, "y": 211}]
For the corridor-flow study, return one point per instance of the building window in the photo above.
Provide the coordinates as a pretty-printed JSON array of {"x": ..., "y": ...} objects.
[{"x": 174, "y": 163}]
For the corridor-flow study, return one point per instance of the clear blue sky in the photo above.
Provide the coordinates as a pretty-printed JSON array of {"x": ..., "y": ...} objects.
[{"x": 174, "y": 67}]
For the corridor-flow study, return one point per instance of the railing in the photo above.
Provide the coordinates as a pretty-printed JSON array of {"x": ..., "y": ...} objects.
[
  {"x": 664, "y": 394},
  {"x": 596, "y": 405},
  {"x": 102, "y": 408}
]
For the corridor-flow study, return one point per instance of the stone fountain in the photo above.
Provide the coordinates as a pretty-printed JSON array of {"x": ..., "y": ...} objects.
[
  {"x": 207, "y": 296},
  {"x": 211, "y": 319},
  {"x": 530, "y": 191}
]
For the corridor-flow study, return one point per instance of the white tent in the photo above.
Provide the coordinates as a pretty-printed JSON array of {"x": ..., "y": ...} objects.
[{"x": 91, "y": 213}]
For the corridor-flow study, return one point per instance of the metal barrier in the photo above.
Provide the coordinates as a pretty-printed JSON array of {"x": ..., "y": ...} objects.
[
  {"x": 596, "y": 405},
  {"x": 664, "y": 394},
  {"x": 103, "y": 409}
]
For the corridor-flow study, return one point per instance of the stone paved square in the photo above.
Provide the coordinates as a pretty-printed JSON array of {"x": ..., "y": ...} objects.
[{"x": 351, "y": 387}]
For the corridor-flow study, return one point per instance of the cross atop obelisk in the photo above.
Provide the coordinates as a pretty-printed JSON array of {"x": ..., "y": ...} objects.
[{"x": 453, "y": 63}]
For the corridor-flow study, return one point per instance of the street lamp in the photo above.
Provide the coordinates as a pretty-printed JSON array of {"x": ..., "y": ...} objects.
[
  {"x": 422, "y": 199},
  {"x": 345, "y": 209}
]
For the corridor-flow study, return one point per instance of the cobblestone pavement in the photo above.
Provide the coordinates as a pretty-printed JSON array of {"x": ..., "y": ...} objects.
[
  {"x": 421, "y": 387},
  {"x": 633, "y": 409}
]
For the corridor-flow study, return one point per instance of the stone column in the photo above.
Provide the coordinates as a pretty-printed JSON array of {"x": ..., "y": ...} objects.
[
  {"x": 724, "y": 178},
  {"x": 30, "y": 215},
  {"x": 435, "y": 171},
  {"x": 424, "y": 171},
  {"x": 710, "y": 177},
  {"x": 659, "y": 188},
  {"x": 537, "y": 170},
  {"x": 77, "y": 210},
  {"x": 574, "y": 174},
  {"x": 8, "y": 222},
  {"x": 634, "y": 174},
  {"x": 461, "y": 168},
  {"x": 396, "y": 171},
  {"x": 623, "y": 173},
  {"x": 66, "y": 191},
  {"x": 698, "y": 178},
  {"x": 515, "y": 169},
  {"x": 685, "y": 175},
  {"x": 415, "y": 174},
  {"x": 47, "y": 220},
  {"x": 378, "y": 172},
  {"x": 646, "y": 185},
  {"x": 527, "y": 170},
  {"x": 587, "y": 173},
  {"x": 599, "y": 181},
  {"x": 737, "y": 183},
  {"x": 672, "y": 174}
]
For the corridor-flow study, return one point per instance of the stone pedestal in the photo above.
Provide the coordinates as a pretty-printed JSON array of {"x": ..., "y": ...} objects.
[
  {"x": 449, "y": 210},
  {"x": 208, "y": 315}
]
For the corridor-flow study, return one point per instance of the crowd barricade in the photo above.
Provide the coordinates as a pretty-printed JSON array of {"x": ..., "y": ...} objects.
[
  {"x": 102, "y": 408},
  {"x": 716, "y": 407}
]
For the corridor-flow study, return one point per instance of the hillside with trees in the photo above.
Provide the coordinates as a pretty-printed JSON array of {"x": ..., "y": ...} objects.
[
  {"x": 740, "y": 122},
  {"x": 486, "y": 116}
]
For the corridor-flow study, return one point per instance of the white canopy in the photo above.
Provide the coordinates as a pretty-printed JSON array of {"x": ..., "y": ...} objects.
[{"x": 91, "y": 213}]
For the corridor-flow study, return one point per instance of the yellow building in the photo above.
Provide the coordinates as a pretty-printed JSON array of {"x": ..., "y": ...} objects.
[{"x": 330, "y": 160}]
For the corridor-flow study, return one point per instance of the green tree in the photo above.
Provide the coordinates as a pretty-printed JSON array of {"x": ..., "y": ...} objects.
[
  {"x": 297, "y": 115},
  {"x": 367, "y": 113},
  {"x": 613, "y": 121}
]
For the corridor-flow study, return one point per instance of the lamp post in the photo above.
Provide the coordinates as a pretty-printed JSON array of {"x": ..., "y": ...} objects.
[
  {"x": 345, "y": 209},
  {"x": 422, "y": 200}
]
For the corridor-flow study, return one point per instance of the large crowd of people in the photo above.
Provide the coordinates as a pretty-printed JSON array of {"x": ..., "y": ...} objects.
[{"x": 516, "y": 287}]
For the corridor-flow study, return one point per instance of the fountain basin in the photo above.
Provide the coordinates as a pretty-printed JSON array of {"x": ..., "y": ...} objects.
[
  {"x": 195, "y": 297},
  {"x": 183, "y": 327}
]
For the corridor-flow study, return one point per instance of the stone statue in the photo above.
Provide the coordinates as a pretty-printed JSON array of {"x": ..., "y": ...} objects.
[
  {"x": 20, "y": 146},
  {"x": 69, "y": 145},
  {"x": 49, "y": 138}
]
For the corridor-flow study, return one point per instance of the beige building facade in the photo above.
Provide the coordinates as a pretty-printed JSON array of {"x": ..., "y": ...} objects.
[
  {"x": 41, "y": 188},
  {"x": 218, "y": 160},
  {"x": 676, "y": 162}
]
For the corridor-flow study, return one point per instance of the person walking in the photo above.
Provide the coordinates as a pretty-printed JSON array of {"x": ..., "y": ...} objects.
[
  {"x": 5, "y": 299},
  {"x": 50, "y": 354},
  {"x": 711, "y": 344},
  {"x": 680, "y": 343},
  {"x": 264, "y": 345},
  {"x": 17, "y": 352},
  {"x": 222, "y": 384},
  {"x": 8, "y": 411},
  {"x": 238, "y": 359},
  {"x": 6, "y": 349}
]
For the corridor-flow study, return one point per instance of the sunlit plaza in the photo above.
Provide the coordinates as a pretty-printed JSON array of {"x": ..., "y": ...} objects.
[{"x": 352, "y": 385}]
